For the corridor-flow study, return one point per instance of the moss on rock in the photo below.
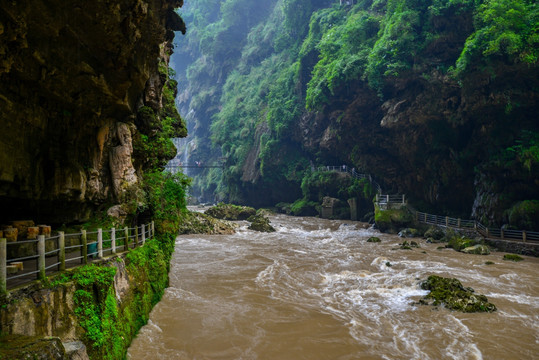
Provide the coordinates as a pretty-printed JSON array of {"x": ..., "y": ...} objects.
[
  {"x": 374, "y": 239},
  {"x": 477, "y": 250},
  {"x": 512, "y": 257},
  {"x": 454, "y": 296},
  {"x": 392, "y": 220},
  {"x": 434, "y": 233},
  {"x": 260, "y": 223},
  {"x": 199, "y": 223},
  {"x": 460, "y": 242},
  {"x": 17, "y": 347},
  {"x": 231, "y": 212}
]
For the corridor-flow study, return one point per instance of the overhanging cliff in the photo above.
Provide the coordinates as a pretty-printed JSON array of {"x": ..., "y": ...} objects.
[{"x": 73, "y": 76}]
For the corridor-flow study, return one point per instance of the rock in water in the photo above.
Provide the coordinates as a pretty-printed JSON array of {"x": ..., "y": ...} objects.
[
  {"x": 260, "y": 223},
  {"x": 409, "y": 233},
  {"x": 477, "y": 250},
  {"x": 374, "y": 239},
  {"x": 231, "y": 212},
  {"x": 454, "y": 296}
]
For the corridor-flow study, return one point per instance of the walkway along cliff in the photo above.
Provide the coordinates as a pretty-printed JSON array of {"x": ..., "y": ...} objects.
[{"x": 87, "y": 115}]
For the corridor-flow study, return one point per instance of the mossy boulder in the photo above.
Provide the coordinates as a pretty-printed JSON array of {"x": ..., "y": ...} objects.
[
  {"x": 450, "y": 293},
  {"x": 512, "y": 257},
  {"x": 477, "y": 250},
  {"x": 461, "y": 242},
  {"x": 231, "y": 212},
  {"x": 392, "y": 220},
  {"x": 260, "y": 223},
  {"x": 198, "y": 223},
  {"x": 434, "y": 233},
  {"x": 374, "y": 239},
  {"x": 15, "y": 347},
  {"x": 408, "y": 245}
]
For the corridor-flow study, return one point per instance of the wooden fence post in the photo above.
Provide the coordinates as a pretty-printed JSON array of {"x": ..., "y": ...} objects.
[
  {"x": 153, "y": 229},
  {"x": 136, "y": 235},
  {"x": 126, "y": 232},
  {"x": 100, "y": 243},
  {"x": 62, "y": 253},
  {"x": 84, "y": 250},
  {"x": 387, "y": 198},
  {"x": 458, "y": 223},
  {"x": 403, "y": 202},
  {"x": 143, "y": 232},
  {"x": 501, "y": 233},
  {"x": 447, "y": 221},
  {"x": 41, "y": 259},
  {"x": 113, "y": 240},
  {"x": 524, "y": 236},
  {"x": 3, "y": 266}
]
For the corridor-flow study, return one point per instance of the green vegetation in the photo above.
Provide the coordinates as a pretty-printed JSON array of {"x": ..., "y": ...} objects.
[
  {"x": 506, "y": 29},
  {"x": 392, "y": 220},
  {"x": 108, "y": 326},
  {"x": 512, "y": 257},
  {"x": 231, "y": 212},
  {"x": 260, "y": 223},
  {"x": 374, "y": 239},
  {"x": 268, "y": 87},
  {"x": 454, "y": 296},
  {"x": 153, "y": 146}
]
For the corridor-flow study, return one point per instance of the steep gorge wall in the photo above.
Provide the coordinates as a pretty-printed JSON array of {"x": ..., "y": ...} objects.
[{"x": 73, "y": 75}]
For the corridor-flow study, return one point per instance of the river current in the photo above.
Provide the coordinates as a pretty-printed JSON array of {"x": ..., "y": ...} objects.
[{"x": 316, "y": 289}]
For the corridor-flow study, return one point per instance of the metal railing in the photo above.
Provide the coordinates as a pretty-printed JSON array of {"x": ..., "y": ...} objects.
[
  {"x": 23, "y": 261},
  {"x": 386, "y": 201},
  {"x": 490, "y": 233}
]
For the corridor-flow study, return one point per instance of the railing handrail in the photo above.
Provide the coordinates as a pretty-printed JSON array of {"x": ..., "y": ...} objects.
[
  {"x": 38, "y": 251},
  {"x": 458, "y": 223},
  {"x": 387, "y": 199}
]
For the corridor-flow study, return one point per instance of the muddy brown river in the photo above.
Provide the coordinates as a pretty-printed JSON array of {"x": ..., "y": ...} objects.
[{"x": 315, "y": 289}]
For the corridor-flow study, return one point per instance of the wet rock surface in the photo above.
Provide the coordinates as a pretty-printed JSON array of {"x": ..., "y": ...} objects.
[
  {"x": 231, "y": 212},
  {"x": 73, "y": 75},
  {"x": 450, "y": 293}
]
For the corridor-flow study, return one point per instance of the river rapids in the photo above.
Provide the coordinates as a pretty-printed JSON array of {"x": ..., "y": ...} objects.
[{"x": 316, "y": 289}]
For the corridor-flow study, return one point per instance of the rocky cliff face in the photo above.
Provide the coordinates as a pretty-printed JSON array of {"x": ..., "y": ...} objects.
[{"x": 73, "y": 75}]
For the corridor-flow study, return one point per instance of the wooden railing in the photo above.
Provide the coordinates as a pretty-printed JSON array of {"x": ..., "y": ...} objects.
[
  {"x": 491, "y": 233},
  {"x": 23, "y": 261}
]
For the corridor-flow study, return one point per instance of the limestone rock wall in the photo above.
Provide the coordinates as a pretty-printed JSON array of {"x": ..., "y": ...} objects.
[{"x": 72, "y": 76}]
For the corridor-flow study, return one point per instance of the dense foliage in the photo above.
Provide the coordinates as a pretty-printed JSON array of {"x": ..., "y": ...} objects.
[{"x": 282, "y": 86}]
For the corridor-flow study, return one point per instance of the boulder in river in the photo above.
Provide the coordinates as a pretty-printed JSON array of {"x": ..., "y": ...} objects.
[
  {"x": 450, "y": 293},
  {"x": 374, "y": 239},
  {"x": 260, "y": 223},
  {"x": 230, "y": 212},
  {"x": 434, "y": 233},
  {"x": 199, "y": 223},
  {"x": 477, "y": 250}
]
